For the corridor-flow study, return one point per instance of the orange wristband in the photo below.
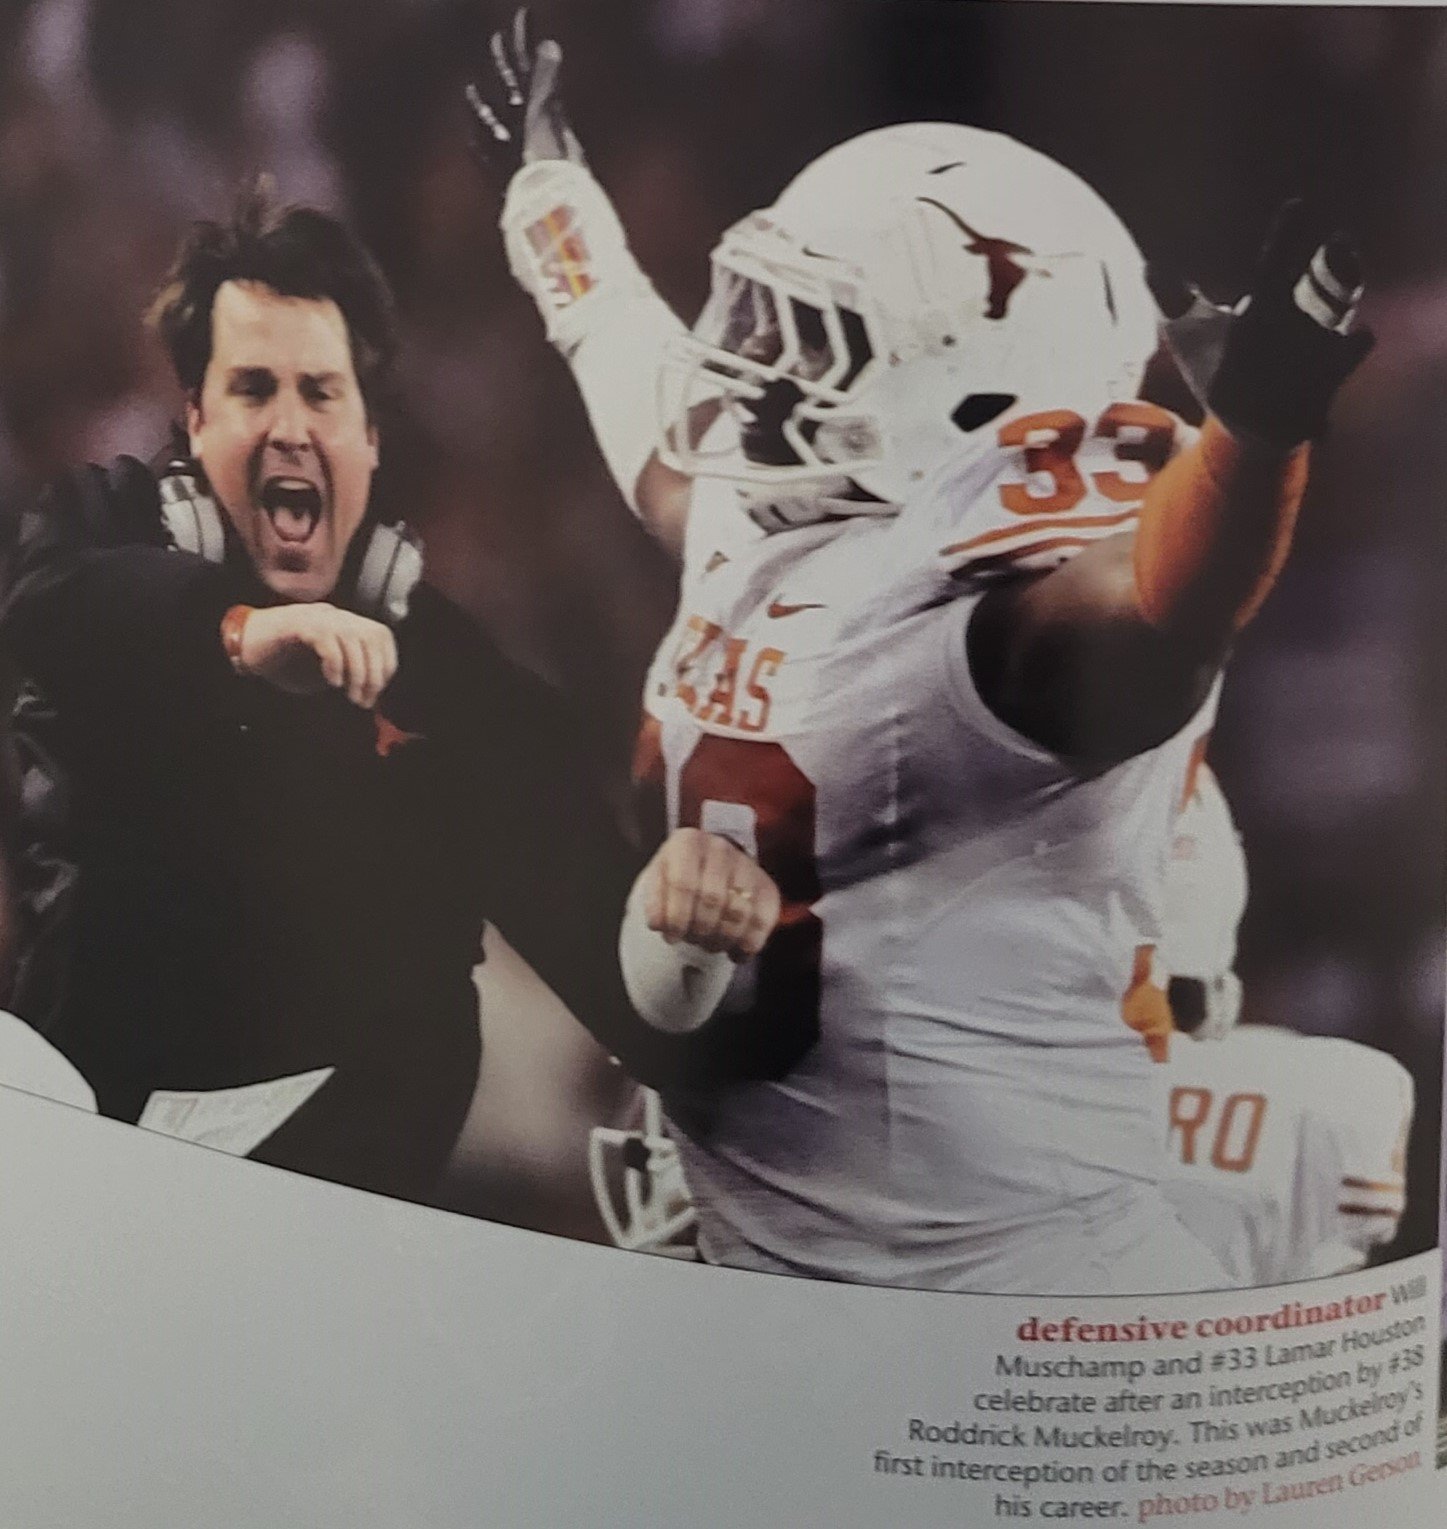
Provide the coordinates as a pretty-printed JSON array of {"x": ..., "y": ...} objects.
[{"x": 233, "y": 624}]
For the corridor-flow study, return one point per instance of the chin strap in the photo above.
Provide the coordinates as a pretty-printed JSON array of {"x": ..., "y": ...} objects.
[{"x": 390, "y": 567}]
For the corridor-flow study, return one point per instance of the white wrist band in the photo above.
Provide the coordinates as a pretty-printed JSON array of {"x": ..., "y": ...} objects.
[{"x": 673, "y": 987}]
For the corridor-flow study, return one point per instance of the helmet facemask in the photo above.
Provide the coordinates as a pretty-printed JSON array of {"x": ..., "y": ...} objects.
[
  {"x": 766, "y": 389},
  {"x": 639, "y": 1187}
]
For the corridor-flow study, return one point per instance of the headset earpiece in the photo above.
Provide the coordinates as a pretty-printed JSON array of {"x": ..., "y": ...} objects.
[
  {"x": 389, "y": 570},
  {"x": 192, "y": 520}
]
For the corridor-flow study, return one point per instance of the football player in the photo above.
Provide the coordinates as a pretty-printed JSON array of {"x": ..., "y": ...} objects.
[
  {"x": 953, "y": 608},
  {"x": 1286, "y": 1153}
]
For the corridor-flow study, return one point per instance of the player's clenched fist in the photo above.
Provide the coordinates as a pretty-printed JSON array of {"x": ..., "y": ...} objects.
[
  {"x": 700, "y": 906},
  {"x": 311, "y": 647},
  {"x": 703, "y": 890}
]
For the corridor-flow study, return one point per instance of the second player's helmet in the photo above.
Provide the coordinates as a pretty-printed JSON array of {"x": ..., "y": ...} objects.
[{"x": 908, "y": 287}]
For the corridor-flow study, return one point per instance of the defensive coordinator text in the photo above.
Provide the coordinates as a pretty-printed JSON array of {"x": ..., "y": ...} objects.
[{"x": 1164, "y": 1330}]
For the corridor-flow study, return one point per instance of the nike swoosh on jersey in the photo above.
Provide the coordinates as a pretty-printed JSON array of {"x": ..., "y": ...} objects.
[{"x": 778, "y": 609}]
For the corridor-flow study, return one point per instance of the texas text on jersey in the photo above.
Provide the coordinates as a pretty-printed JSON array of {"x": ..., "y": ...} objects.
[
  {"x": 964, "y": 918},
  {"x": 957, "y": 900},
  {"x": 924, "y": 671}
]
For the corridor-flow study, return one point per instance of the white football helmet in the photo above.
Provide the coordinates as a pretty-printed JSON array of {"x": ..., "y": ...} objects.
[
  {"x": 639, "y": 1188},
  {"x": 1206, "y": 894},
  {"x": 908, "y": 287}
]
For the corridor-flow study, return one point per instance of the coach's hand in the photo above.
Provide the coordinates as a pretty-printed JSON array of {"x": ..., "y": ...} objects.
[
  {"x": 702, "y": 890},
  {"x": 305, "y": 649},
  {"x": 1293, "y": 343},
  {"x": 516, "y": 105}
]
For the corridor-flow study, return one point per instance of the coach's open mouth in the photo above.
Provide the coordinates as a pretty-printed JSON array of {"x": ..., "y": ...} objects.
[{"x": 294, "y": 507}]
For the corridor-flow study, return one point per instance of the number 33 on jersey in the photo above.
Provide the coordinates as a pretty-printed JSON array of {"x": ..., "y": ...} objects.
[{"x": 951, "y": 891}]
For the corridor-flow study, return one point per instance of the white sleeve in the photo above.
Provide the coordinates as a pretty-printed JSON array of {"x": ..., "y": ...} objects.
[
  {"x": 1363, "y": 1113},
  {"x": 1377, "y": 1099},
  {"x": 567, "y": 249}
]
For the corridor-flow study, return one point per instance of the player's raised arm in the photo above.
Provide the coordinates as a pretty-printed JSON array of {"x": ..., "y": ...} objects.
[
  {"x": 1112, "y": 652},
  {"x": 568, "y": 251}
]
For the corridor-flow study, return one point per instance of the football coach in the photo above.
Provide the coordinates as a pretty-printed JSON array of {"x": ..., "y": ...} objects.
[{"x": 274, "y": 785}]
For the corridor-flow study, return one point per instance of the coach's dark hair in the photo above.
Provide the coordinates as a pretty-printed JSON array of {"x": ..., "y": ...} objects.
[{"x": 297, "y": 252}]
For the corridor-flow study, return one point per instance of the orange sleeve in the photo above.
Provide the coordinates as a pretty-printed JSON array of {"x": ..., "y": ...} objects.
[{"x": 1215, "y": 529}]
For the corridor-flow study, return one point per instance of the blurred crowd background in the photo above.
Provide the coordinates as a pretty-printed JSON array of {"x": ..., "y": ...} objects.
[{"x": 121, "y": 120}]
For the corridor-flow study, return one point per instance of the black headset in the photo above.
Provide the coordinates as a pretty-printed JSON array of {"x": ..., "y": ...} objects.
[{"x": 389, "y": 568}]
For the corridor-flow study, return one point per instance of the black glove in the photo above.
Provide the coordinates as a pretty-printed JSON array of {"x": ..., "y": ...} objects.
[
  {"x": 517, "y": 111},
  {"x": 1291, "y": 346}
]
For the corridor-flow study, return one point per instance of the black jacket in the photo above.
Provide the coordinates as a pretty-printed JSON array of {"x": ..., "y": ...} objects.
[{"x": 224, "y": 884}]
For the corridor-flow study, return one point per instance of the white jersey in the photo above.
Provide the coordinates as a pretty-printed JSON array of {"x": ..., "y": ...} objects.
[
  {"x": 1287, "y": 1152},
  {"x": 969, "y": 921}
]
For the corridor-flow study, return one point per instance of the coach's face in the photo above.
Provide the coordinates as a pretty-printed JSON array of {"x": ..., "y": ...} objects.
[{"x": 281, "y": 429}]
